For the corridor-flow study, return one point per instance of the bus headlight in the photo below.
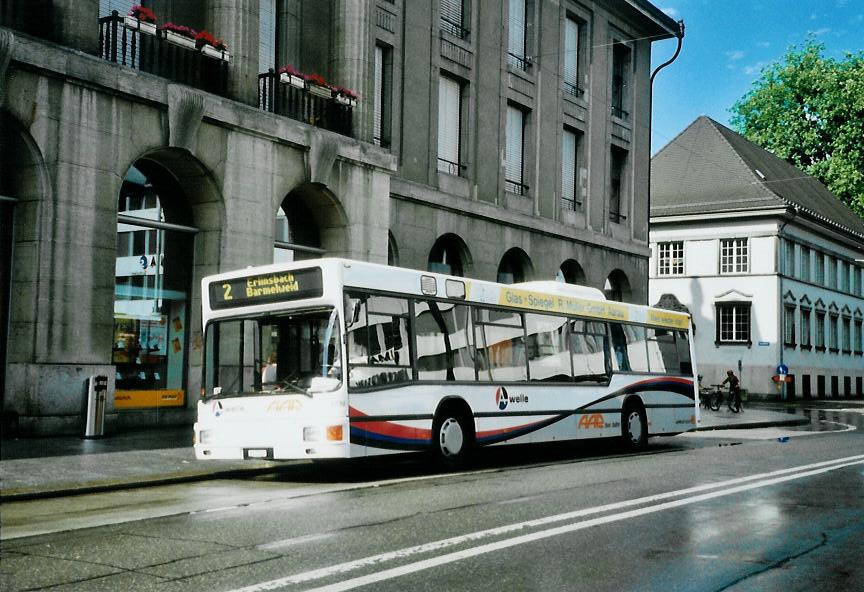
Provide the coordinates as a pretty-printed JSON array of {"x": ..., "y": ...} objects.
[
  {"x": 311, "y": 434},
  {"x": 205, "y": 437}
]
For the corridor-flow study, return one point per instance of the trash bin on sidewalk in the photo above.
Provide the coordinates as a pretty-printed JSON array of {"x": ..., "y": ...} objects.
[{"x": 94, "y": 406}]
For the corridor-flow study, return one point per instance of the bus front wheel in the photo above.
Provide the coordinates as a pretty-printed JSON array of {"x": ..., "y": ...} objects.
[
  {"x": 452, "y": 437},
  {"x": 634, "y": 427}
]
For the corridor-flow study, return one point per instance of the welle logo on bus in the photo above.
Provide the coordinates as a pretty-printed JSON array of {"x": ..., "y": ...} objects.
[{"x": 267, "y": 288}]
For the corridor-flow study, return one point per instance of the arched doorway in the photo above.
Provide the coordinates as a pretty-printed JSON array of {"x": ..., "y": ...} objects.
[
  {"x": 515, "y": 267},
  {"x": 310, "y": 223},
  {"x": 617, "y": 287},
  {"x": 449, "y": 255},
  {"x": 24, "y": 184},
  {"x": 296, "y": 233},
  {"x": 571, "y": 272},
  {"x": 153, "y": 274}
]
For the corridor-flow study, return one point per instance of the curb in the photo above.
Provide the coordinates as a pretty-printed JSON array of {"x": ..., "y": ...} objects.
[
  {"x": 754, "y": 425},
  {"x": 30, "y": 494}
]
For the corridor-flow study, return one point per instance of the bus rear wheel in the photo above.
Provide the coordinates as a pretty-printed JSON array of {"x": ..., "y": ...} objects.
[
  {"x": 452, "y": 438},
  {"x": 634, "y": 427}
]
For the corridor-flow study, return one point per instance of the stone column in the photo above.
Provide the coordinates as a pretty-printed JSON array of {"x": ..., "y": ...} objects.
[
  {"x": 349, "y": 61},
  {"x": 288, "y": 32},
  {"x": 75, "y": 23},
  {"x": 236, "y": 22}
]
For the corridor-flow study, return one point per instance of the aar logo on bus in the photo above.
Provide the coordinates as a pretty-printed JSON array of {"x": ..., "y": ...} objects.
[{"x": 501, "y": 398}]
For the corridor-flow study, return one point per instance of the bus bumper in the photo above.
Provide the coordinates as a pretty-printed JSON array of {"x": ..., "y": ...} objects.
[{"x": 282, "y": 442}]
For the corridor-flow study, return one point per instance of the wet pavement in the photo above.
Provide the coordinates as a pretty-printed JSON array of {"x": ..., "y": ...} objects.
[{"x": 32, "y": 468}]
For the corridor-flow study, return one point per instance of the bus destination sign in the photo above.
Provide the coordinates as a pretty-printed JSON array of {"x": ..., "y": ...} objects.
[{"x": 266, "y": 288}]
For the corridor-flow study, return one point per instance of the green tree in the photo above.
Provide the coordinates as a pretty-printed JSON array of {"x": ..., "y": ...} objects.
[{"x": 809, "y": 109}]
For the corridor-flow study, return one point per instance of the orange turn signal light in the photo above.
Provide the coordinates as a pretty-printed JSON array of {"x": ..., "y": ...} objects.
[{"x": 334, "y": 432}]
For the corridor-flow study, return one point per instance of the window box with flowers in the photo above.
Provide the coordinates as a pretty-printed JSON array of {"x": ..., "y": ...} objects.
[
  {"x": 212, "y": 47},
  {"x": 317, "y": 86},
  {"x": 292, "y": 76},
  {"x": 178, "y": 35},
  {"x": 346, "y": 96},
  {"x": 141, "y": 19}
]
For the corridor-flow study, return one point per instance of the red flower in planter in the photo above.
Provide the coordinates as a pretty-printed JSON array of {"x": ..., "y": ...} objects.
[
  {"x": 145, "y": 15},
  {"x": 346, "y": 92},
  {"x": 316, "y": 79},
  {"x": 290, "y": 70},
  {"x": 207, "y": 38},
  {"x": 179, "y": 29}
]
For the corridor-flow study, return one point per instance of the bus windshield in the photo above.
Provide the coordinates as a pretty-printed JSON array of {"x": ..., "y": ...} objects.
[{"x": 285, "y": 354}]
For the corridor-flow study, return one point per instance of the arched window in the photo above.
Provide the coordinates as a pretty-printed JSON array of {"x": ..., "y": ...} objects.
[
  {"x": 296, "y": 234},
  {"x": 449, "y": 255},
  {"x": 617, "y": 287},
  {"x": 515, "y": 267},
  {"x": 571, "y": 272},
  {"x": 151, "y": 295}
]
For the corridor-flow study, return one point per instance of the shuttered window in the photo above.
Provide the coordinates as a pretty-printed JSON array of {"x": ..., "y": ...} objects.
[
  {"x": 513, "y": 152},
  {"x": 516, "y": 35},
  {"x": 378, "y": 107},
  {"x": 267, "y": 35},
  {"x": 449, "y": 107},
  {"x": 568, "y": 170},
  {"x": 452, "y": 22},
  {"x": 571, "y": 56}
]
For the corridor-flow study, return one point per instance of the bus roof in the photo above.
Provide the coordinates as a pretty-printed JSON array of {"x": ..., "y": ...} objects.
[{"x": 538, "y": 296}]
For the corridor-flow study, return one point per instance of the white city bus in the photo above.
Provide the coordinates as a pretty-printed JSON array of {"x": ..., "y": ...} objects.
[{"x": 332, "y": 358}]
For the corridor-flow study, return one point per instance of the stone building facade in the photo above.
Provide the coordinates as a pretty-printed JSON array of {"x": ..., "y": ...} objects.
[{"x": 497, "y": 140}]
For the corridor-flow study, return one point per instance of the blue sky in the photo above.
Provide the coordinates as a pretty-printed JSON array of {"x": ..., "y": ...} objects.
[{"x": 728, "y": 42}]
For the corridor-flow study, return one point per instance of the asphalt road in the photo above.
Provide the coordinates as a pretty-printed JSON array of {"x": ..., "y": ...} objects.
[{"x": 710, "y": 511}]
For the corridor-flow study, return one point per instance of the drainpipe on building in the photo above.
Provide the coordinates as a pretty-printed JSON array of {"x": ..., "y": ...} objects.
[{"x": 680, "y": 37}]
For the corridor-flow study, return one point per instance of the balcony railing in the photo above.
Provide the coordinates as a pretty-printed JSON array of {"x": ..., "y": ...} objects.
[
  {"x": 515, "y": 187},
  {"x": 572, "y": 89},
  {"x": 301, "y": 104},
  {"x": 619, "y": 113},
  {"x": 519, "y": 62},
  {"x": 453, "y": 28},
  {"x": 153, "y": 53}
]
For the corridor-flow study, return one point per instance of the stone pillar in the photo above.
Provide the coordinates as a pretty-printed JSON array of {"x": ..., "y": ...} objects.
[
  {"x": 350, "y": 58},
  {"x": 236, "y": 22},
  {"x": 288, "y": 32},
  {"x": 75, "y": 24}
]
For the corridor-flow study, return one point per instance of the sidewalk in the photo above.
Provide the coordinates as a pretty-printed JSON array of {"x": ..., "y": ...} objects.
[{"x": 33, "y": 468}]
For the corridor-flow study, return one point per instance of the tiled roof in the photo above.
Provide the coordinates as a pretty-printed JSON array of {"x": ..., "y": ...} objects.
[{"x": 708, "y": 168}]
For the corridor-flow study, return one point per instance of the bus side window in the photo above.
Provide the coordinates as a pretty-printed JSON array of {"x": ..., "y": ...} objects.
[
  {"x": 588, "y": 347},
  {"x": 500, "y": 342},
  {"x": 548, "y": 353},
  {"x": 379, "y": 342},
  {"x": 445, "y": 346},
  {"x": 662, "y": 351},
  {"x": 682, "y": 341},
  {"x": 620, "y": 360}
]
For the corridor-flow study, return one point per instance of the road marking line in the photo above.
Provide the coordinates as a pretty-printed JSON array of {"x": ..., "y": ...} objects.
[
  {"x": 566, "y": 529},
  {"x": 295, "y": 541},
  {"x": 475, "y": 536}
]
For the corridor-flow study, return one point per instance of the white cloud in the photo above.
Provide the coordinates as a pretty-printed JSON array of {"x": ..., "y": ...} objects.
[
  {"x": 735, "y": 55},
  {"x": 765, "y": 44},
  {"x": 821, "y": 31},
  {"x": 754, "y": 68}
]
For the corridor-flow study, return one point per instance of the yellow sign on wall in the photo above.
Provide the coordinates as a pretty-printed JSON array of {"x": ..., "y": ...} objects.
[{"x": 149, "y": 399}]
